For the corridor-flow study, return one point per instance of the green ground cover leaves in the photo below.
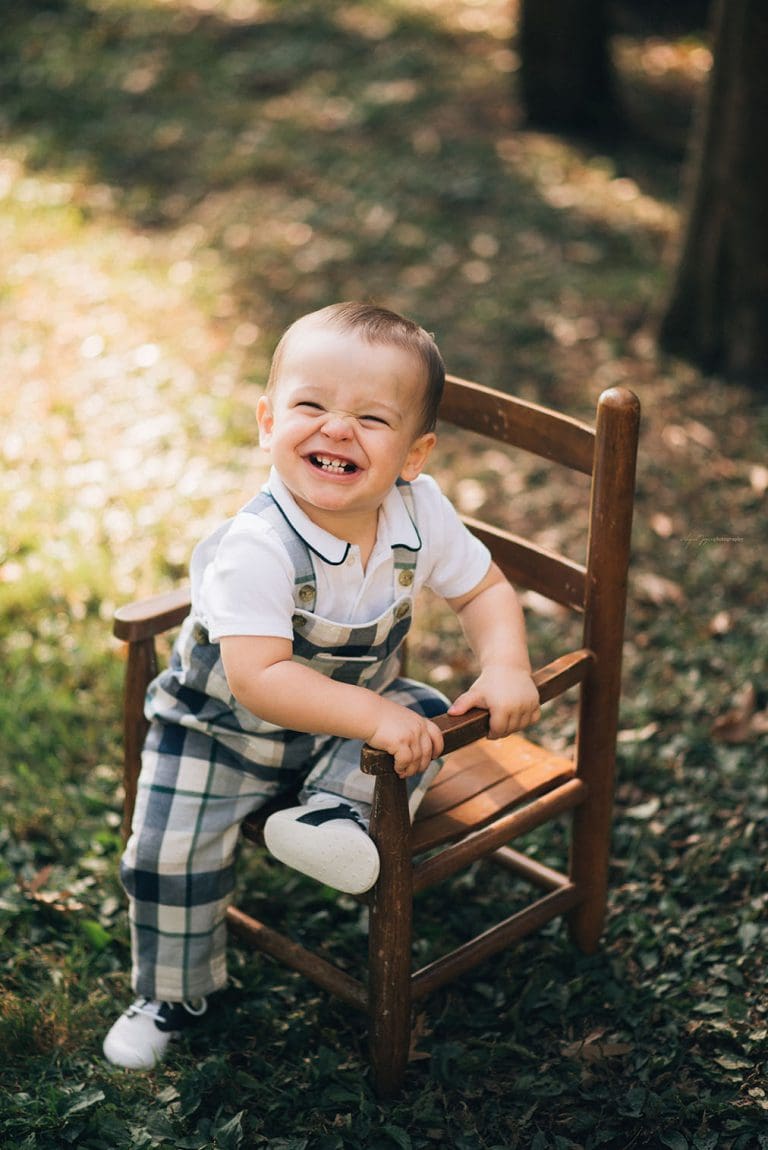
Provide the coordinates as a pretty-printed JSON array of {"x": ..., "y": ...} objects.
[{"x": 178, "y": 180}]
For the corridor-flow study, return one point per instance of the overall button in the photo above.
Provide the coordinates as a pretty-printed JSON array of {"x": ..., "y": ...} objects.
[
  {"x": 199, "y": 633},
  {"x": 405, "y": 578},
  {"x": 401, "y": 610},
  {"x": 299, "y": 621},
  {"x": 306, "y": 593}
]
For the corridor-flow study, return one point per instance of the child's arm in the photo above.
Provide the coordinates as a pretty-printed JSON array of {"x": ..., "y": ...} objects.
[
  {"x": 263, "y": 679},
  {"x": 492, "y": 620}
]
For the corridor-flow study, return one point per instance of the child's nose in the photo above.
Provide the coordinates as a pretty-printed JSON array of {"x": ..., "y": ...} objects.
[{"x": 338, "y": 425}]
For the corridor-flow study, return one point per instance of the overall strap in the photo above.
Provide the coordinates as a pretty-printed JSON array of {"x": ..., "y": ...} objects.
[
  {"x": 300, "y": 554},
  {"x": 305, "y": 581},
  {"x": 404, "y": 558}
]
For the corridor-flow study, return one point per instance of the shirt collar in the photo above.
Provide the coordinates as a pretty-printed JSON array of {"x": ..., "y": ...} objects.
[{"x": 396, "y": 528}]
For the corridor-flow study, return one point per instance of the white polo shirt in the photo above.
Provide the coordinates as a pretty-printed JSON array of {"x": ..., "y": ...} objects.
[{"x": 243, "y": 578}]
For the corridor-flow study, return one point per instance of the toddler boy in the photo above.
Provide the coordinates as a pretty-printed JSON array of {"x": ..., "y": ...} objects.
[{"x": 289, "y": 659}]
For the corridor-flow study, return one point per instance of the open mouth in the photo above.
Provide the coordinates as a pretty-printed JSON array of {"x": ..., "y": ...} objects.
[{"x": 333, "y": 466}]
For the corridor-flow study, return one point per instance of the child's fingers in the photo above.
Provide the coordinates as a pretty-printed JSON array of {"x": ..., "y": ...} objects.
[
  {"x": 516, "y": 719},
  {"x": 436, "y": 738},
  {"x": 464, "y": 703},
  {"x": 416, "y": 756},
  {"x": 504, "y": 719}
]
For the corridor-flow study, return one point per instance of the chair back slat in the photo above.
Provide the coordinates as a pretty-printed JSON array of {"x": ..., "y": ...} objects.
[
  {"x": 518, "y": 423},
  {"x": 527, "y": 565}
]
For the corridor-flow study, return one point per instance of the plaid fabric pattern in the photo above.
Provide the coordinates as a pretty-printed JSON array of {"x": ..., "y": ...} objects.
[
  {"x": 178, "y": 868},
  {"x": 208, "y": 762},
  {"x": 337, "y": 771},
  {"x": 194, "y": 692}
]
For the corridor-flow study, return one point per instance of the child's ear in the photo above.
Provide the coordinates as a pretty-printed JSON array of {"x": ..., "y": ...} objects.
[
  {"x": 418, "y": 455},
  {"x": 265, "y": 419}
]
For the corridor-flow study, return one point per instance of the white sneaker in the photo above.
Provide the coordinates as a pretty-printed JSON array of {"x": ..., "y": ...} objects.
[
  {"x": 139, "y": 1038},
  {"x": 326, "y": 840}
]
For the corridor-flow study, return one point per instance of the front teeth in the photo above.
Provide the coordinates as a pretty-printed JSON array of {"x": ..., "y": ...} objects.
[{"x": 332, "y": 464}]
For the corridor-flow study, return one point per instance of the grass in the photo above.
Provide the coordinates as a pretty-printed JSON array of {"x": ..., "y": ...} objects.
[{"x": 178, "y": 181}]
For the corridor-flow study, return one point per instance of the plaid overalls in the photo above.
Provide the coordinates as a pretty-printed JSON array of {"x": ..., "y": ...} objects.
[{"x": 208, "y": 762}]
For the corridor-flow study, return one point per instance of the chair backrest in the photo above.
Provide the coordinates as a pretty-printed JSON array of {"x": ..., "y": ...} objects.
[
  {"x": 542, "y": 432},
  {"x": 606, "y": 453},
  {"x": 597, "y": 588}
]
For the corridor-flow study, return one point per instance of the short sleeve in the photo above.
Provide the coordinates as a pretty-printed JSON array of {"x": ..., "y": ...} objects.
[
  {"x": 456, "y": 559},
  {"x": 242, "y": 581}
]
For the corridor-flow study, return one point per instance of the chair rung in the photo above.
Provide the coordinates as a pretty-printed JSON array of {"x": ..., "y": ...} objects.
[
  {"x": 535, "y": 872},
  {"x": 494, "y": 940},
  {"x": 473, "y": 846},
  {"x": 299, "y": 958}
]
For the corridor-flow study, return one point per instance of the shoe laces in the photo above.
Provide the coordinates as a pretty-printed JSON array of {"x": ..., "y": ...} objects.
[{"x": 161, "y": 1012}]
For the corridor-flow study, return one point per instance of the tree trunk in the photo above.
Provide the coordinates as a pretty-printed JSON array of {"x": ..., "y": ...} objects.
[
  {"x": 717, "y": 314},
  {"x": 566, "y": 74}
]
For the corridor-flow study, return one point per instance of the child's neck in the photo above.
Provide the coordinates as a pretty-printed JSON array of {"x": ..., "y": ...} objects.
[{"x": 359, "y": 529}]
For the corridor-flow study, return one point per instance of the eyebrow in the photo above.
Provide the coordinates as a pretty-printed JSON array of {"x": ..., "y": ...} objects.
[{"x": 312, "y": 394}]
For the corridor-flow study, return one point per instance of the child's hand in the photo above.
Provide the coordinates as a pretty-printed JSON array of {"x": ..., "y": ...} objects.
[
  {"x": 413, "y": 740},
  {"x": 509, "y": 693}
]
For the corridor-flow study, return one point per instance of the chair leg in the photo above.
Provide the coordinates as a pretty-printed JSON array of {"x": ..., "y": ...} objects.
[
  {"x": 390, "y": 933},
  {"x": 592, "y": 820},
  {"x": 590, "y": 851},
  {"x": 607, "y": 560},
  {"x": 140, "y": 669}
]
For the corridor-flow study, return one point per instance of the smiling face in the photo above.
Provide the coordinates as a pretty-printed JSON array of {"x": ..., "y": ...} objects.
[{"x": 342, "y": 422}]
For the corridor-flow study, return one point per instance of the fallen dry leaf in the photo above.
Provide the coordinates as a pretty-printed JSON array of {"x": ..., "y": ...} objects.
[
  {"x": 638, "y": 734},
  {"x": 420, "y": 1030},
  {"x": 662, "y": 525},
  {"x": 591, "y": 1049},
  {"x": 657, "y": 589},
  {"x": 39, "y": 880},
  {"x": 758, "y": 479},
  {"x": 742, "y": 722},
  {"x": 721, "y": 623}
]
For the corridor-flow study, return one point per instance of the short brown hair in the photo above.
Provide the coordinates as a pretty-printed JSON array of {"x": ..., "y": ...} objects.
[{"x": 379, "y": 325}]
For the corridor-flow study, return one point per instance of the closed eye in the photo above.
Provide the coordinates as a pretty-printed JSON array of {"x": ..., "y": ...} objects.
[
  {"x": 375, "y": 419},
  {"x": 307, "y": 404}
]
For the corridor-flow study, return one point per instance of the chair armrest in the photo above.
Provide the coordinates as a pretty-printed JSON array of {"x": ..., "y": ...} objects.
[
  {"x": 146, "y": 618},
  {"x": 149, "y": 617},
  {"x": 459, "y": 730}
]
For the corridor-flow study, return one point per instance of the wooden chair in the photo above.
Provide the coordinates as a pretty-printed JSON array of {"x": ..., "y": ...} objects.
[{"x": 488, "y": 793}]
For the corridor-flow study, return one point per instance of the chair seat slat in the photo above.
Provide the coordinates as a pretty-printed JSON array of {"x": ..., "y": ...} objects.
[
  {"x": 482, "y": 765},
  {"x": 513, "y": 774}
]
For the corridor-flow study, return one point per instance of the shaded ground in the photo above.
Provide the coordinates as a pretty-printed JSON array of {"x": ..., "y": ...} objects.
[{"x": 178, "y": 181}]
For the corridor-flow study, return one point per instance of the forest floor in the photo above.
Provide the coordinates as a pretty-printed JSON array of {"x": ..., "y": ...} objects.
[{"x": 179, "y": 179}]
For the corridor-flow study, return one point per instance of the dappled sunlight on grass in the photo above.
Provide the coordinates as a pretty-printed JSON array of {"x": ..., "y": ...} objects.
[
  {"x": 124, "y": 389},
  {"x": 133, "y": 348}
]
